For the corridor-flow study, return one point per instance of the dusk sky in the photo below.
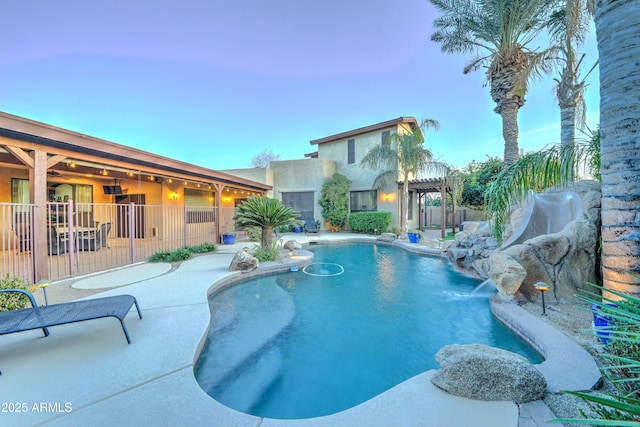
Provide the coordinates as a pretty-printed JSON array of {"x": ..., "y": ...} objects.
[{"x": 215, "y": 82}]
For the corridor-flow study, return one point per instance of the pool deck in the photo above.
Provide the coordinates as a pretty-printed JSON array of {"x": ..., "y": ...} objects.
[{"x": 85, "y": 374}]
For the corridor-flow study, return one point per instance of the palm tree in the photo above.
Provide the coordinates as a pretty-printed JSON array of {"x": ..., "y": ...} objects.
[
  {"x": 401, "y": 155},
  {"x": 619, "y": 49},
  {"x": 266, "y": 213},
  {"x": 501, "y": 30},
  {"x": 569, "y": 27}
]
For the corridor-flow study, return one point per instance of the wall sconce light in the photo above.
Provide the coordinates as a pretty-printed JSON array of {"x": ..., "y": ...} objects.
[
  {"x": 226, "y": 199},
  {"x": 104, "y": 172},
  {"x": 71, "y": 164},
  {"x": 130, "y": 174},
  {"x": 387, "y": 197},
  {"x": 174, "y": 196}
]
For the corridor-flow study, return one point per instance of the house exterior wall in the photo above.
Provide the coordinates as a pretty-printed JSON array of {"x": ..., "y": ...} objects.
[
  {"x": 362, "y": 178},
  {"x": 303, "y": 175}
]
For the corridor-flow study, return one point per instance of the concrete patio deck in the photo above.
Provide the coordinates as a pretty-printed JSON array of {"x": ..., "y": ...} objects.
[{"x": 86, "y": 375}]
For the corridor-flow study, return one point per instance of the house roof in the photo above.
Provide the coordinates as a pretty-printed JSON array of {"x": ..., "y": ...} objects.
[
  {"x": 371, "y": 128},
  {"x": 32, "y": 134}
]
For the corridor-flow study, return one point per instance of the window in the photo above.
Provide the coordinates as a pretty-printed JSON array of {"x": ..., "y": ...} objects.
[
  {"x": 364, "y": 201},
  {"x": 19, "y": 190},
  {"x": 385, "y": 136},
  {"x": 200, "y": 206},
  {"x": 351, "y": 151},
  {"x": 300, "y": 201}
]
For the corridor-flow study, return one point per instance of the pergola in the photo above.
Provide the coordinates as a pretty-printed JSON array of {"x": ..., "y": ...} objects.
[{"x": 432, "y": 185}]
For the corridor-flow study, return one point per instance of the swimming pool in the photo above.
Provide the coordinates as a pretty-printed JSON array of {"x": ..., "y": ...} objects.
[{"x": 296, "y": 345}]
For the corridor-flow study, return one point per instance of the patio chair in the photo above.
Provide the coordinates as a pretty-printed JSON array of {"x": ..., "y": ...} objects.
[
  {"x": 89, "y": 240},
  {"x": 56, "y": 243},
  {"x": 310, "y": 226},
  {"x": 95, "y": 239},
  {"x": 104, "y": 234}
]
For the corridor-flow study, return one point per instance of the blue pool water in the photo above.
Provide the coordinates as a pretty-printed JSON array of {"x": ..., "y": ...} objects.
[{"x": 297, "y": 345}]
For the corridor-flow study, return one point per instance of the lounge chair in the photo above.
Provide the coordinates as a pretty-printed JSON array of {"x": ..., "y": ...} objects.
[
  {"x": 310, "y": 226},
  {"x": 42, "y": 317}
]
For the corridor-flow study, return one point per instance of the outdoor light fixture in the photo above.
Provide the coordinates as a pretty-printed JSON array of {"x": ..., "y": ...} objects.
[
  {"x": 542, "y": 287},
  {"x": 104, "y": 172},
  {"x": 226, "y": 199},
  {"x": 174, "y": 195},
  {"x": 290, "y": 253},
  {"x": 72, "y": 164}
]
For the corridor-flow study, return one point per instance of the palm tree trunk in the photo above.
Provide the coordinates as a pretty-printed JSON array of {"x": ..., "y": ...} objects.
[
  {"x": 567, "y": 125},
  {"x": 404, "y": 228},
  {"x": 619, "y": 47},
  {"x": 267, "y": 237},
  {"x": 509, "y": 113}
]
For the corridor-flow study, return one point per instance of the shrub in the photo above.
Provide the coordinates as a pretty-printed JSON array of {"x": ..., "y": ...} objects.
[
  {"x": 13, "y": 300},
  {"x": 369, "y": 222},
  {"x": 203, "y": 248},
  {"x": 254, "y": 233},
  {"x": 268, "y": 254},
  {"x": 182, "y": 253},
  {"x": 334, "y": 200}
]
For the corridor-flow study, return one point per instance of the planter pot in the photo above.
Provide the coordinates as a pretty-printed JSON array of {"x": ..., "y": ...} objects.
[
  {"x": 228, "y": 239},
  {"x": 601, "y": 323},
  {"x": 413, "y": 237}
]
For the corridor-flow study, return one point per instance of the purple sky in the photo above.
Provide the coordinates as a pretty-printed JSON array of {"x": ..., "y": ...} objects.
[{"x": 216, "y": 82}]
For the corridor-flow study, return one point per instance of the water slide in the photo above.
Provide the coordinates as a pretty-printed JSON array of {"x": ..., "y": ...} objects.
[{"x": 545, "y": 214}]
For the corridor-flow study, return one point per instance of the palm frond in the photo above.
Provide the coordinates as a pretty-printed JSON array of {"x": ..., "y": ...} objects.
[{"x": 535, "y": 171}]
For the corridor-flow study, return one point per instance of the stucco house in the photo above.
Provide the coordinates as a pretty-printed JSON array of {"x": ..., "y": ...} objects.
[
  {"x": 298, "y": 183},
  {"x": 68, "y": 195}
]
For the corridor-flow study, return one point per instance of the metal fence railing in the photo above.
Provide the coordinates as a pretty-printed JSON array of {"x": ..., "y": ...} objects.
[{"x": 87, "y": 237}]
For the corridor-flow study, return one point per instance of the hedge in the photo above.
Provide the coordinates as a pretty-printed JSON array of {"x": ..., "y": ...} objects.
[{"x": 370, "y": 222}]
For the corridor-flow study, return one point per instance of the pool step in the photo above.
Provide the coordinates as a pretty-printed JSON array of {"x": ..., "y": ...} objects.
[
  {"x": 241, "y": 340},
  {"x": 243, "y": 391}
]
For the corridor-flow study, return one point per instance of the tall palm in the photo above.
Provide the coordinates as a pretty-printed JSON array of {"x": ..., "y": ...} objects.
[
  {"x": 266, "y": 213},
  {"x": 498, "y": 32},
  {"x": 569, "y": 26},
  {"x": 619, "y": 48},
  {"x": 402, "y": 155}
]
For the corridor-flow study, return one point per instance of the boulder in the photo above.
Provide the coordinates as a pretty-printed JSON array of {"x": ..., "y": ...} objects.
[
  {"x": 507, "y": 274},
  {"x": 293, "y": 244},
  {"x": 480, "y": 372},
  {"x": 387, "y": 237},
  {"x": 244, "y": 262}
]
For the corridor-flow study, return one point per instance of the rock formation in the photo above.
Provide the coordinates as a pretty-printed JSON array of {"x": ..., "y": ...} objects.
[
  {"x": 244, "y": 262},
  {"x": 565, "y": 260},
  {"x": 480, "y": 372}
]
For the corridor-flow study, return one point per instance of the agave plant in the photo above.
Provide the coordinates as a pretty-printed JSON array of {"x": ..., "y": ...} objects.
[
  {"x": 622, "y": 355},
  {"x": 266, "y": 213}
]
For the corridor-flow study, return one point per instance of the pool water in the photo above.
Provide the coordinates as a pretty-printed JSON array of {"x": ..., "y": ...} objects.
[{"x": 297, "y": 345}]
